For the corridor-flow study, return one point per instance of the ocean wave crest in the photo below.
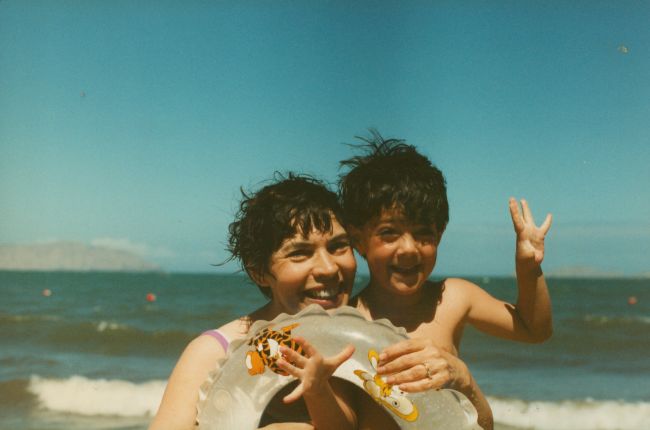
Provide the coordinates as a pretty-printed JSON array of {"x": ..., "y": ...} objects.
[
  {"x": 603, "y": 320},
  {"x": 90, "y": 397},
  {"x": 571, "y": 414}
]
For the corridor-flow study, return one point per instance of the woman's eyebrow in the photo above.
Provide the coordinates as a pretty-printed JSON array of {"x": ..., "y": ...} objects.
[
  {"x": 340, "y": 236},
  {"x": 297, "y": 243}
]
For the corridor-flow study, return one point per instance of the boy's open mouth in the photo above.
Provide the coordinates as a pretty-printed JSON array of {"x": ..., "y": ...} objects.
[{"x": 406, "y": 270}]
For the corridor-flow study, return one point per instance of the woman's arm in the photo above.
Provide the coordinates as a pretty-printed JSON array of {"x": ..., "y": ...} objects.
[
  {"x": 177, "y": 410},
  {"x": 418, "y": 365}
]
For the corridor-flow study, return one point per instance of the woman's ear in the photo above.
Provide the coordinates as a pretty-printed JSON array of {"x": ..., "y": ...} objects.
[
  {"x": 357, "y": 239},
  {"x": 261, "y": 279}
]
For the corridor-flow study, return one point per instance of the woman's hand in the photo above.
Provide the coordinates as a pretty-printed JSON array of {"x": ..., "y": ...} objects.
[{"x": 418, "y": 365}]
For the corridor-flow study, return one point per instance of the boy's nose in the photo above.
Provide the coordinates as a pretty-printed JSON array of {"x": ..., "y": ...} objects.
[
  {"x": 324, "y": 264},
  {"x": 407, "y": 244}
]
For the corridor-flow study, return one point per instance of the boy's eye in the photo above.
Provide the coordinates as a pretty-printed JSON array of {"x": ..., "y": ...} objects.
[
  {"x": 425, "y": 235},
  {"x": 388, "y": 233}
]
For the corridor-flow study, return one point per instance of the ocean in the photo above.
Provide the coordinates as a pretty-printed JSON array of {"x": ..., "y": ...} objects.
[{"x": 95, "y": 353}]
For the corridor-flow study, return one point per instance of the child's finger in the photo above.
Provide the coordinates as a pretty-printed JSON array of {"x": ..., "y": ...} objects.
[
  {"x": 307, "y": 347},
  {"x": 294, "y": 395},
  {"x": 341, "y": 357},
  {"x": 517, "y": 222},
  {"x": 293, "y": 357},
  {"x": 546, "y": 225},
  {"x": 528, "y": 215},
  {"x": 288, "y": 367}
]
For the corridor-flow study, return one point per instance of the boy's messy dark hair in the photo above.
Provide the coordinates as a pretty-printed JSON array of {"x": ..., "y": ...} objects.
[
  {"x": 392, "y": 175},
  {"x": 291, "y": 204}
]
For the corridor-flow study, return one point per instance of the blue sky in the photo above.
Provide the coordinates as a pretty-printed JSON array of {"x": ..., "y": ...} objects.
[{"x": 133, "y": 124}]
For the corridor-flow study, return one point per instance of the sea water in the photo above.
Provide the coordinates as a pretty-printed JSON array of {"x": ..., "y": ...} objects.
[{"x": 95, "y": 353}]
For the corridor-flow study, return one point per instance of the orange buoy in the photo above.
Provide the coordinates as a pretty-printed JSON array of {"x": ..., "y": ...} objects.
[
  {"x": 632, "y": 300},
  {"x": 47, "y": 292},
  {"x": 151, "y": 297}
]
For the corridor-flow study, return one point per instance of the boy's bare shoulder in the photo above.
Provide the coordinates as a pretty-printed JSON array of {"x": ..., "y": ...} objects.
[
  {"x": 459, "y": 285},
  {"x": 459, "y": 290}
]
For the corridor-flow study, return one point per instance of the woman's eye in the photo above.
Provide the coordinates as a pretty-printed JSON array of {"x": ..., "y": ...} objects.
[
  {"x": 298, "y": 253},
  {"x": 339, "y": 246}
]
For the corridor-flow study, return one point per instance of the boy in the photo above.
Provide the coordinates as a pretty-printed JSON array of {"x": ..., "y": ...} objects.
[{"x": 396, "y": 210}]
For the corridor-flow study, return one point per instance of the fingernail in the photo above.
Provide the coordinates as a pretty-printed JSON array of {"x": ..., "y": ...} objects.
[
  {"x": 381, "y": 369},
  {"x": 383, "y": 356}
]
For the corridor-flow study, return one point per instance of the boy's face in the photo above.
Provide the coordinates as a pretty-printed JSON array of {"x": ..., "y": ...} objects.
[
  {"x": 400, "y": 254},
  {"x": 319, "y": 269}
]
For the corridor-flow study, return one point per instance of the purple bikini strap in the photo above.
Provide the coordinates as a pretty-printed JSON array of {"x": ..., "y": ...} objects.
[{"x": 220, "y": 338}]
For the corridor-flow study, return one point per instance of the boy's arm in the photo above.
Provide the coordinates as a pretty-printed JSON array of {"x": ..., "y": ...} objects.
[
  {"x": 530, "y": 319},
  {"x": 533, "y": 301},
  {"x": 329, "y": 405},
  {"x": 418, "y": 364}
]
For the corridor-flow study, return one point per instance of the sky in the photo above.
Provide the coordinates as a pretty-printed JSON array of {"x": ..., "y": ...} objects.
[{"x": 134, "y": 124}]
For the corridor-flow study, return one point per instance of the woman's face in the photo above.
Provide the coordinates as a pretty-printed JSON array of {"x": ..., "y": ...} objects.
[{"x": 318, "y": 268}]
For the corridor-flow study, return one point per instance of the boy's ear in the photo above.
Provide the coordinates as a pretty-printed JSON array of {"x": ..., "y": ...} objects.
[
  {"x": 356, "y": 237},
  {"x": 439, "y": 234}
]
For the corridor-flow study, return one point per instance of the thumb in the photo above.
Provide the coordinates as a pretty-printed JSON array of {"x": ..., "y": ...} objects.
[
  {"x": 341, "y": 357},
  {"x": 294, "y": 395}
]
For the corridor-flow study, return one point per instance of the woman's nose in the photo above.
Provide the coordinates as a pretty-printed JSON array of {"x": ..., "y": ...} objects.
[{"x": 324, "y": 264}]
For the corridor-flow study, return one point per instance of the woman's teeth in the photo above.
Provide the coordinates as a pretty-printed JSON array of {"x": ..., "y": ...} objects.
[{"x": 324, "y": 293}]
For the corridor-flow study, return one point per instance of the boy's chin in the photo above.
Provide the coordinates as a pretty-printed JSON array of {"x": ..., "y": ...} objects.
[{"x": 404, "y": 285}]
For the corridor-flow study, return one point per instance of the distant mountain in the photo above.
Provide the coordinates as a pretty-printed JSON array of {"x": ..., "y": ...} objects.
[
  {"x": 583, "y": 272},
  {"x": 72, "y": 256}
]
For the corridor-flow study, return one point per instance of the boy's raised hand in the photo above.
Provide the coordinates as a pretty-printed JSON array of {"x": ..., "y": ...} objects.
[
  {"x": 530, "y": 238},
  {"x": 312, "y": 369}
]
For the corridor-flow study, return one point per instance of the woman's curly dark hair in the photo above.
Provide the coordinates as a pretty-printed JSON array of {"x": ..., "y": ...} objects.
[
  {"x": 391, "y": 174},
  {"x": 290, "y": 204}
]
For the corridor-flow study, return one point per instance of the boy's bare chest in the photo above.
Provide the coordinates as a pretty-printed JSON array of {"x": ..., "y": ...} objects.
[
  {"x": 441, "y": 334},
  {"x": 442, "y": 323}
]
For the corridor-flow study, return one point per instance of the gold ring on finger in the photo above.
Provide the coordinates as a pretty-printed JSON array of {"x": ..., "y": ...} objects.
[{"x": 430, "y": 373}]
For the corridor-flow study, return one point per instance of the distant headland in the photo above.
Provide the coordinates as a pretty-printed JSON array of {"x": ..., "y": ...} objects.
[{"x": 71, "y": 256}]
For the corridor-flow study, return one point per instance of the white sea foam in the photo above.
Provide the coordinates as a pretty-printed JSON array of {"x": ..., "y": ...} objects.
[
  {"x": 91, "y": 397},
  {"x": 106, "y": 325},
  {"x": 601, "y": 319},
  {"x": 571, "y": 415},
  {"x": 83, "y": 396}
]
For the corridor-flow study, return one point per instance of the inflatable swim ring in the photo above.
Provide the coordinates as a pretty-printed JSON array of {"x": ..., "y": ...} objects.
[{"x": 236, "y": 394}]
